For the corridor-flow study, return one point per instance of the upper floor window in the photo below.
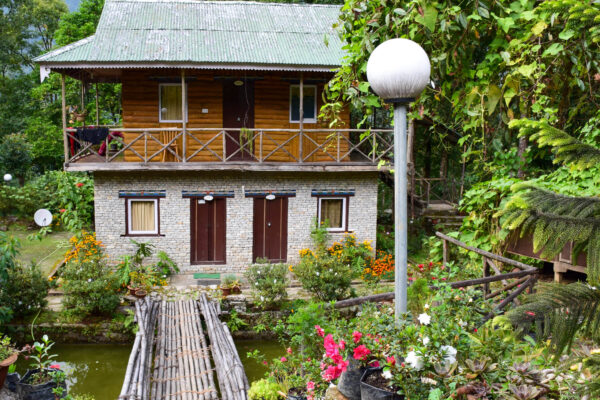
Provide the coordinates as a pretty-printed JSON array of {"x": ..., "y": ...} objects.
[
  {"x": 170, "y": 102},
  {"x": 310, "y": 103}
]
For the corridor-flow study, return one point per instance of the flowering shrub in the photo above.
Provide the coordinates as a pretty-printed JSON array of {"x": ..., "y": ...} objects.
[
  {"x": 269, "y": 283},
  {"x": 327, "y": 272},
  {"x": 89, "y": 284},
  {"x": 379, "y": 268},
  {"x": 24, "y": 291}
]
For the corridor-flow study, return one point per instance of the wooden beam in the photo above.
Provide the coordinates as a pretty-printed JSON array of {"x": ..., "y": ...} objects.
[
  {"x": 64, "y": 116},
  {"x": 484, "y": 253},
  {"x": 495, "y": 278},
  {"x": 98, "y": 112},
  {"x": 184, "y": 114},
  {"x": 301, "y": 118}
]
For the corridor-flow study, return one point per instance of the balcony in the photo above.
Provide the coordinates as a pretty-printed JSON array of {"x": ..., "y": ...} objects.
[{"x": 128, "y": 149}]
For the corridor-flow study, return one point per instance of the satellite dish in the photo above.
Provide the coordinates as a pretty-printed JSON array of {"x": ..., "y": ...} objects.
[
  {"x": 208, "y": 197},
  {"x": 270, "y": 197},
  {"x": 7, "y": 177},
  {"x": 42, "y": 217}
]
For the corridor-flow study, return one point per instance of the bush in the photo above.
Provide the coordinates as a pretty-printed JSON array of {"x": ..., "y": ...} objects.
[
  {"x": 25, "y": 290},
  {"x": 328, "y": 272},
  {"x": 269, "y": 283},
  {"x": 89, "y": 285},
  {"x": 264, "y": 389}
]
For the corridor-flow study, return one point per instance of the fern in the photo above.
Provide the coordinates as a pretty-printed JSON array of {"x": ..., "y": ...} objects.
[
  {"x": 566, "y": 148},
  {"x": 564, "y": 310}
]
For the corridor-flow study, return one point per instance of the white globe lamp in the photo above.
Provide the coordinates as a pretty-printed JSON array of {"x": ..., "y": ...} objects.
[
  {"x": 7, "y": 177},
  {"x": 398, "y": 70}
]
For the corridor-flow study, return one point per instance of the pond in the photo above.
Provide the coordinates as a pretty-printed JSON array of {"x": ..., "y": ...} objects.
[{"x": 98, "y": 369}]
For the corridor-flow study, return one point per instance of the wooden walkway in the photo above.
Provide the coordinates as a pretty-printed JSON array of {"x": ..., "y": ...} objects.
[{"x": 182, "y": 351}]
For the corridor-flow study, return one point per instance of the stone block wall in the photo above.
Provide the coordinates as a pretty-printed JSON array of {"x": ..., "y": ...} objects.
[{"x": 175, "y": 210}]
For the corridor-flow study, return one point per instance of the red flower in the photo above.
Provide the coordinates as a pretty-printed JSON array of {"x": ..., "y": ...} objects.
[
  {"x": 443, "y": 279},
  {"x": 289, "y": 350},
  {"x": 403, "y": 365},
  {"x": 320, "y": 331},
  {"x": 310, "y": 385},
  {"x": 391, "y": 360},
  {"x": 55, "y": 366},
  {"x": 430, "y": 264},
  {"x": 361, "y": 352},
  {"x": 374, "y": 364},
  {"x": 356, "y": 336},
  {"x": 79, "y": 184},
  {"x": 433, "y": 278},
  {"x": 264, "y": 362},
  {"x": 531, "y": 313},
  {"x": 62, "y": 210},
  {"x": 475, "y": 330},
  {"x": 421, "y": 266}
]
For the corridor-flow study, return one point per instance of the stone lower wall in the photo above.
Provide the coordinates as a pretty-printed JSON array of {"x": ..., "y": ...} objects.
[{"x": 175, "y": 210}]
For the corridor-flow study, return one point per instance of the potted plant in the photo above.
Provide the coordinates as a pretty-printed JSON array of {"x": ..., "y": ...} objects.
[
  {"x": 45, "y": 381},
  {"x": 139, "y": 283},
  {"x": 376, "y": 384},
  {"x": 8, "y": 356},
  {"x": 233, "y": 283}
]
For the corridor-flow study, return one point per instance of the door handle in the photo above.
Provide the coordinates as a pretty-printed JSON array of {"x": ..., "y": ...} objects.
[{"x": 268, "y": 224}]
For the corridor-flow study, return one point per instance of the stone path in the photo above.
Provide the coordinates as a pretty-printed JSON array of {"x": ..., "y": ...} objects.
[{"x": 6, "y": 394}]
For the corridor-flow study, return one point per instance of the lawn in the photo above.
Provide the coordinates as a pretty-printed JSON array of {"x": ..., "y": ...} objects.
[{"x": 47, "y": 252}]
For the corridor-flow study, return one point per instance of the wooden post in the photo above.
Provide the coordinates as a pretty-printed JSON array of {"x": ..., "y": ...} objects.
[
  {"x": 301, "y": 115},
  {"x": 444, "y": 253},
  {"x": 97, "y": 109},
  {"x": 486, "y": 273},
  {"x": 183, "y": 114},
  {"x": 64, "y": 117}
]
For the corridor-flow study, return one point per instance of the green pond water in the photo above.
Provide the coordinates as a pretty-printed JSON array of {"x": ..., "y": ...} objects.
[{"x": 98, "y": 369}]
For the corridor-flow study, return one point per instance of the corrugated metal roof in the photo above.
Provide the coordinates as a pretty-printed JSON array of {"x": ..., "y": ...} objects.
[{"x": 205, "y": 32}]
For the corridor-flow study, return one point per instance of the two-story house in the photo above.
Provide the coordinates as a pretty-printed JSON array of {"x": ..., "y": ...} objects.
[{"x": 221, "y": 158}]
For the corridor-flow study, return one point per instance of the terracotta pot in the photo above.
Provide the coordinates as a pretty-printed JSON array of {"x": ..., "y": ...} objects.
[
  {"x": 4, "y": 367},
  {"x": 225, "y": 291},
  {"x": 369, "y": 392},
  {"x": 140, "y": 293},
  {"x": 132, "y": 290}
]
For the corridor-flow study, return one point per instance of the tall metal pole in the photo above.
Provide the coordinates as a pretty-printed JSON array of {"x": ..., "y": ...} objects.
[{"x": 400, "y": 209}]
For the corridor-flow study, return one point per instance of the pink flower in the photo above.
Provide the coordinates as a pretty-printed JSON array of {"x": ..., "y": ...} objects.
[
  {"x": 530, "y": 313},
  {"x": 331, "y": 347},
  {"x": 264, "y": 362},
  {"x": 55, "y": 366},
  {"x": 356, "y": 336},
  {"x": 310, "y": 385},
  {"x": 391, "y": 360},
  {"x": 320, "y": 331},
  {"x": 309, "y": 397},
  {"x": 361, "y": 352},
  {"x": 323, "y": 365},
  {"x": 342, "y": 345},
  {"x": 374, "y": 364},
  {"x": 289, "y": 350},
  {"x": 283, "y": 359}
]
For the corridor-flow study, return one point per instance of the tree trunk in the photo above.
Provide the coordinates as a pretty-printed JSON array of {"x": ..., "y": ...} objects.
[{"x": 522, "y": 148}]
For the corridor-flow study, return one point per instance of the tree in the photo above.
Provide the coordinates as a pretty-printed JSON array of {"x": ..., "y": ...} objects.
[
  {"x": 46, "y": 15},
  {"x": 15, "y": 156},
  {"x": 492, "y": 61}
]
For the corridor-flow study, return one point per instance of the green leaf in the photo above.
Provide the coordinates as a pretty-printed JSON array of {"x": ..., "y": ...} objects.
[
  {"x": 435, "y": 394},
  {"x": 429, "y": 17},
  {"x": 493, "y": 97},
  {"x": 566, "y": 34},
  {"x": 508, "y": 95},
  {"x": 364, "y": 87},
  {"x": 553, "y": 50},
  {"x": 527, "y": 70},
  {"x": 506, "y": 23}
]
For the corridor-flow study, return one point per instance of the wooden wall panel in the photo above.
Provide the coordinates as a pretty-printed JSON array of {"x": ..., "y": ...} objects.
[{"x": 272, "y": 93}]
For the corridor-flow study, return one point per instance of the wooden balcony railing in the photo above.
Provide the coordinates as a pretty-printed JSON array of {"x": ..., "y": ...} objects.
[{"x": 223, "y": 145}]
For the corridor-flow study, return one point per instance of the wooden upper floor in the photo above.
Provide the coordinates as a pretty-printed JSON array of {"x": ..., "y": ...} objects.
[{"x": 255, "y": 120}]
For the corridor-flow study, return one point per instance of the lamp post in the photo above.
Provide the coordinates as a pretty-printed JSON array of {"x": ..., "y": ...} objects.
[{"x": 398, "y": 71}]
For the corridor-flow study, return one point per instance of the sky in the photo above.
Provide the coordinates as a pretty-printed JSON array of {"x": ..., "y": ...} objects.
[{"x": 73, "y": 4}]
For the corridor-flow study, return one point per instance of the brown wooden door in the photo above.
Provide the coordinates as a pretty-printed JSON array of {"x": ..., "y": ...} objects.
[
  {"x": 208, "y": 231},
  {"x": 238, "y": 112},
  {"x": 270, "y": 229}
]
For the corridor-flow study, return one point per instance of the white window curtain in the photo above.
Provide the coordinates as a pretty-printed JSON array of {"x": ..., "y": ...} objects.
[
  {"x": 142, "y": 216},
  {"x": 332, "y": 210}
]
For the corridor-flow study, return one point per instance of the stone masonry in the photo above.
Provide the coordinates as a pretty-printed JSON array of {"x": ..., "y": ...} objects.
[{"x": 175, "y": 210}]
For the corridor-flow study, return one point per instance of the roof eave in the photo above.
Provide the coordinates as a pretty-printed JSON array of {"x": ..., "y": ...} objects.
[{"x": 187, "y": 65}]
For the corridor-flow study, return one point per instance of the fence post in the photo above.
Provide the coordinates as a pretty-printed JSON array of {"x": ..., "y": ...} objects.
[
  {"x": 444, "y": 253},
  {"x": 64, "y": 118},
  {"x": 486, "y": 273}
]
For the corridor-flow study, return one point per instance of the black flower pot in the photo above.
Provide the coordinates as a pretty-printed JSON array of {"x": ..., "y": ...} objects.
[
  {"x": 11, "y": 381},
  {"x": 27, "y": 391},
  {"x": 349, "y": 384},
  {"x": 295, "y": 397},
  {"x": 369, "y": 392}
]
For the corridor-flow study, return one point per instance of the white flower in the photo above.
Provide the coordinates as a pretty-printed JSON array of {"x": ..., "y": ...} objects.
[
  {"x": 89, "y": 280},
  {"x": 449, "y": 354},
  {"x": 413, "y": 360},
  {"x": 430, "y": 381},
  {"x": 387, "y": 374},
  {"x": 462, "y": 323},
  {"x": 425, "y": 340},
  {"x": 274, "y": 280},
  {"x": 426, "y": 307},
  {"x": 470, "y": 300},
  {"x": 262, "y": 298},
  {"x": 424, "y": 319},
  {"x": 317, "y": 273}
]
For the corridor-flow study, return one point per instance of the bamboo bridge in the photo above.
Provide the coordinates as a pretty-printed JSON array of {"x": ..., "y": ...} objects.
[{"x": 180, "y": 348}]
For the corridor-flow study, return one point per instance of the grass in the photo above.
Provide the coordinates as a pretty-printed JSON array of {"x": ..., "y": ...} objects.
[{"x": 46, "y": 253}]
